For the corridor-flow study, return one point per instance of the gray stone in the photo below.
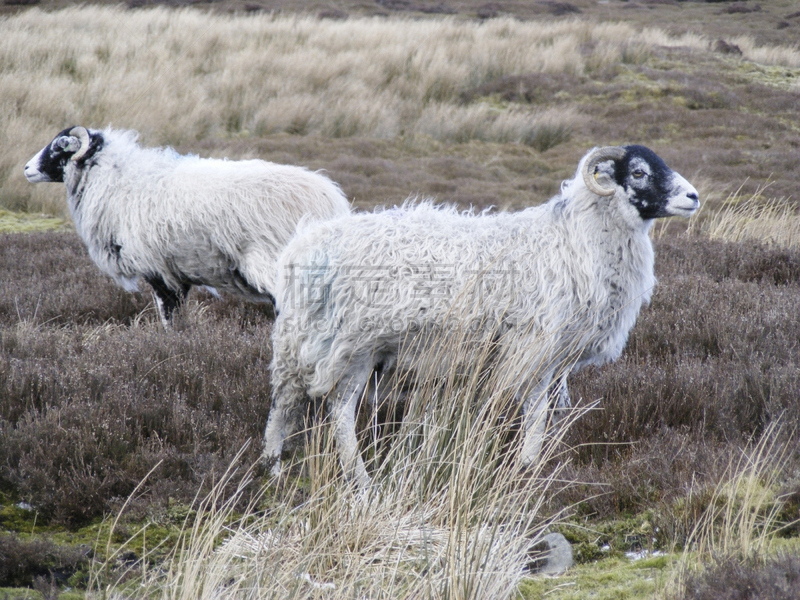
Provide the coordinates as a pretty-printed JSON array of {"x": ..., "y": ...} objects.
[{"x": 556, "y": 555}]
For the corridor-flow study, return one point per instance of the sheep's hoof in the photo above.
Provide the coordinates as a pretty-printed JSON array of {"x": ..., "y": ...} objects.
[
  {"x": 529, "y": 462},
  {"x": 275, "y": 471},
  {"x": 273, "y": 464}
]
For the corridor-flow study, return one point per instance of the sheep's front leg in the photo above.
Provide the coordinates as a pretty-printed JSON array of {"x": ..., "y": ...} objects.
[
  {"x": 167, "y": 299},
  {"x": 288, "y": 390},
  {"x": 343, "y": 412},
  {"x": 534, "y": 415}
]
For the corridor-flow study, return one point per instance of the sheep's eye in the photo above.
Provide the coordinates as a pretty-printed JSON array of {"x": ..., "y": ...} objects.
[{"x": 638, "y": 174}]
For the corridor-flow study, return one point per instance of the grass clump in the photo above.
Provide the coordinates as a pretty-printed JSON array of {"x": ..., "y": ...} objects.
[
  {"x": 773, "y": 578},
  {"x": 731, "y": 551},
  {"x": 449, "y": 515},
  {"x": 20, "y": 222},
  {"x": 754, "y": 216}
]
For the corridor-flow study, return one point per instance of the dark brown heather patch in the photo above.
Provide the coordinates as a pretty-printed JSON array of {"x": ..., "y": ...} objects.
[
  {"x": 23, "y": 562},
  {"x": 92, "y": 398},
  {"x": 777, "y": 578},
  {"x": 708, "y": 365},
  {"x": 92, "y": 394},
  {"x": 49, "y": 278}
]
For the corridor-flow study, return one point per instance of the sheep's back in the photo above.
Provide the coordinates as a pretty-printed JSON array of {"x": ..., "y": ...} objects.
[
  {"x": 407, "y": 277},
  {"x": 187, "y": 217},
  {"x": 538, "y": 281}
]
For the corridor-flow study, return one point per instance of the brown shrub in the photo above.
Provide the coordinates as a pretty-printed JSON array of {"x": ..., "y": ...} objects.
[
  {"x": 92, "y": 396},
  {"x": 23, "y": 562},
  {"x": 91, "y": 399},
  {"x": 777, "y": 578},
  {"x": 709, "y": 364}
]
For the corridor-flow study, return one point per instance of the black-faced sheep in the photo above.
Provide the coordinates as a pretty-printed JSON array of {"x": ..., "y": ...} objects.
[
  {"x": 580, "y": 268},
  {"x": 177, "y": 221}
]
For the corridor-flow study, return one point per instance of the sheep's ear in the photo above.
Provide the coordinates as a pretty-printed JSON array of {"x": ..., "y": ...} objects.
[
  {"x": 604, "y": 173},
  {"x": 68, "y": 143}
]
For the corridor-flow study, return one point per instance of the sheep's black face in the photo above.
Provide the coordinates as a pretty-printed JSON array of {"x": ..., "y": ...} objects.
[
  {"x": 50, "y": 162},
  {"x": 652, "y": 187}
]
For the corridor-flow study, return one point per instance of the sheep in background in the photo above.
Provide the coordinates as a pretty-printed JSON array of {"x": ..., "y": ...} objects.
[
  {"x": 581, "y": 266},
  {"x": 177, "y": 221}
]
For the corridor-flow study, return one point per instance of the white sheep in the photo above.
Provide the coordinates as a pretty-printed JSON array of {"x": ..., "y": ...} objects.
[
  {"x": 177, "y": 221},
  {"x": 559, "y": 284}
]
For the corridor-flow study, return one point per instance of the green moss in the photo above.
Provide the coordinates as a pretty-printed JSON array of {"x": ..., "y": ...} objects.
[
  {"x": 20, "y": 222},
  {"x": 609, "y": 579},
  {"x": 657, "y": 562},
  {"x": 592, "y": 541},
  {"x": 785, "y": 78},
  {"x": 29, "y": 594},
  {"x": 153, "y": 537},
  {"x": 15, "y": 519},
  {"x": 20, "y": 594}
]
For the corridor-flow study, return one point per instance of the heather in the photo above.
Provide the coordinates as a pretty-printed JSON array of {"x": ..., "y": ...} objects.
[{"x": 128, "y": 454}]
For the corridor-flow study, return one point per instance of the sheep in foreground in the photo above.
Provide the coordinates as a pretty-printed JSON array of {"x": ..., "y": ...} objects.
[
  {"x": 361, "y": 292},
  {"x": 177, "y": 221}
]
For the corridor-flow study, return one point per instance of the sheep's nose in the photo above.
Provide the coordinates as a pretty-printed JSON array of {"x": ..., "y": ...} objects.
[{"x": 692, "y": 196}]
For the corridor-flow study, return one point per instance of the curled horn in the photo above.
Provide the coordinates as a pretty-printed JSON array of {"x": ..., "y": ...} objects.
[
  {"x": 83, "y": 136},
  {"x": 594, "y": 159}
]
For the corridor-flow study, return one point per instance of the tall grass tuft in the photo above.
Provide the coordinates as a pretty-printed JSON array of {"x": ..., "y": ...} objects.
[{"x": 450, "y": 514}]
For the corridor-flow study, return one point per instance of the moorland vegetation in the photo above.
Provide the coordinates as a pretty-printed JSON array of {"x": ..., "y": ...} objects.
[{"x": 102, "y": 410}]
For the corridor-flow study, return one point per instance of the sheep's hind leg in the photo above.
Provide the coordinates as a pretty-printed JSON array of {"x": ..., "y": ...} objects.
[
  {"x": 288, "y": 389},
  {"x": 275, "y": 432},
  {"x": 343, "y": 410},
  {"x": 560, "y": 400},
  {"x": 534, "y": 414},
  {"x": 167, "y": 299}
]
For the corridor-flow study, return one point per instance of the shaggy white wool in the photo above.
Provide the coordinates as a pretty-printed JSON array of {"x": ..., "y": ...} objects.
[
  {"x": 150, "y": 212},
  {"x": 557, "y": 286}
]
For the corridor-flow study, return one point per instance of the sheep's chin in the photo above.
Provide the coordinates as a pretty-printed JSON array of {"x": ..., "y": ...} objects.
[
  {"x": 686, "y": 207},
  {"x": 37, "y": 177}
]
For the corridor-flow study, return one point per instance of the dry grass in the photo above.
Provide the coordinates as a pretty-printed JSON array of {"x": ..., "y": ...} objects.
[
  {"x": 766, "y": 55},
  {"x": 184, "y": 77},
  {"x": 742, "y": 516},
  {"x": 181, "y": 76},
  {"x": 771, "y": 221},
  {"x": 450, "y": 515}
]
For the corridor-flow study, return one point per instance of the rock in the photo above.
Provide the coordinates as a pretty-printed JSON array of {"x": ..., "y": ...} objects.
[{"x": 555, "y": 557}]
